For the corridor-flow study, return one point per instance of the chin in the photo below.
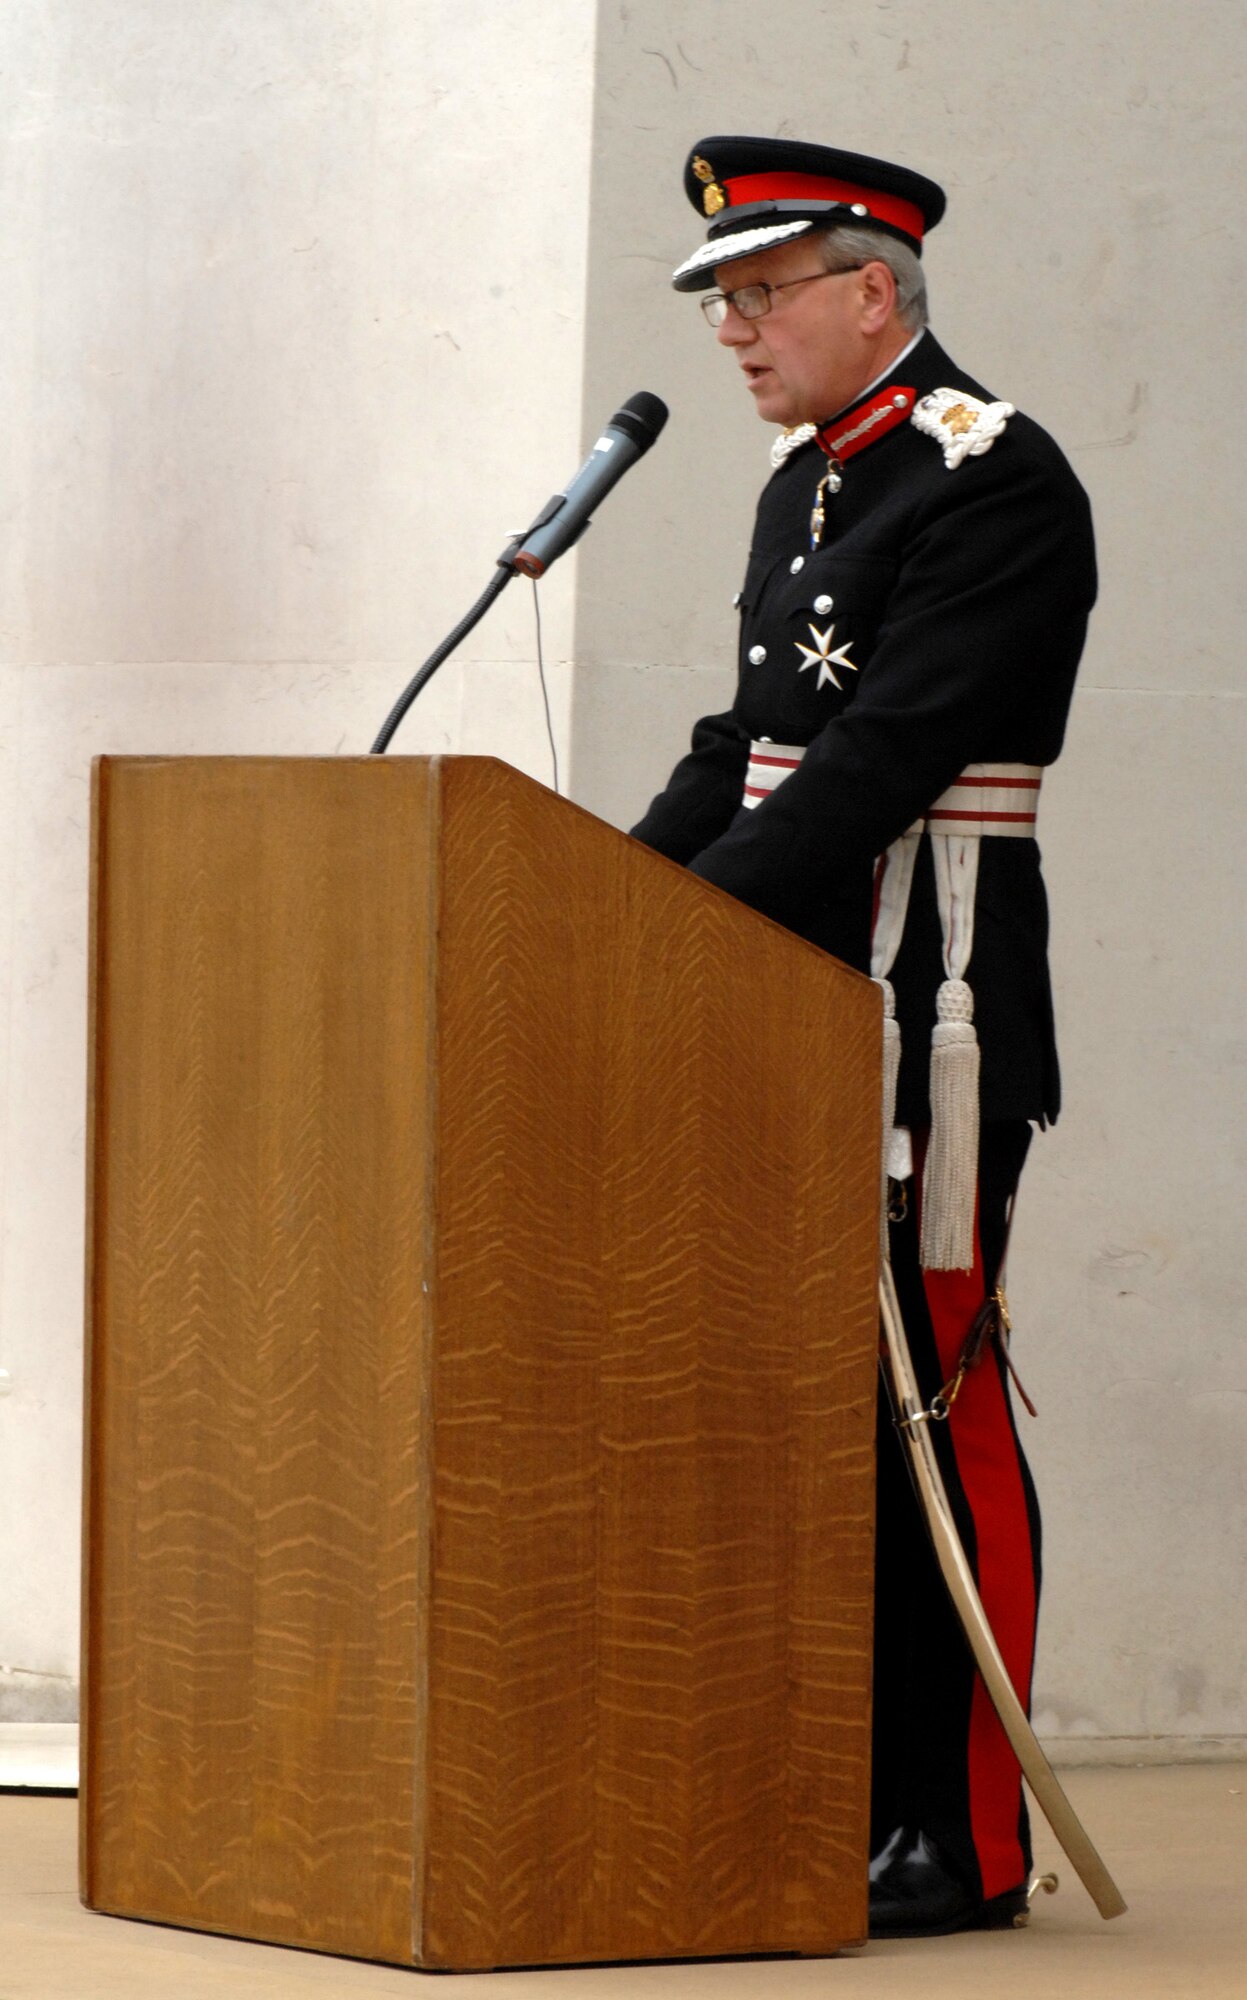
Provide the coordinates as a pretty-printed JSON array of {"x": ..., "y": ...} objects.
[{"x": 776, "y": 409}]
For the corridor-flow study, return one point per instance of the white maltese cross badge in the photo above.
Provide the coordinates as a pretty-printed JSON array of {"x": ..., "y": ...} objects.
[
  {"x": 965, "y": 426},
  {"x": 820, "y": 655}
]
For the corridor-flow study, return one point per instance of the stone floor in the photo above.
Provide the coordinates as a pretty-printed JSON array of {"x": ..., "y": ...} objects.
[{"x": 1175, "y": 1838}]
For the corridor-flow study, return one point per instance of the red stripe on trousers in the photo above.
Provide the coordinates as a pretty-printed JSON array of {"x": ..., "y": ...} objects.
[{"x": 983, "y": 1443}]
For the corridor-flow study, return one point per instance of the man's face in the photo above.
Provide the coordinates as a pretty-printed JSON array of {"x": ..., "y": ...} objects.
[{"x": 814, "y": 351}]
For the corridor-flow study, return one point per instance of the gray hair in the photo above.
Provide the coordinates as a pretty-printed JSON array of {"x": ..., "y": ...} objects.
[{"x": 841, "y": 248}]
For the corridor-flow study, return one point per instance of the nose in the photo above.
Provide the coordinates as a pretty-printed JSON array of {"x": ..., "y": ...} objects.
[{"x": 734, "y": 330}]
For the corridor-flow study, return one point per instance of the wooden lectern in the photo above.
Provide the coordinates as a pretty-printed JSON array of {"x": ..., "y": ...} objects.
[{"x": 481, "y": 1372}]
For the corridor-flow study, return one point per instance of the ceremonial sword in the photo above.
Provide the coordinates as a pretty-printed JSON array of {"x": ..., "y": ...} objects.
[{"x": 914, "y": 1420}]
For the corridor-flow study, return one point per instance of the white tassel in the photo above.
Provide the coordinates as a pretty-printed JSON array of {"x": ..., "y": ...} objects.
[
  {"x": 950, "y": 1177},
  {"x": 891, "y": 1072}
]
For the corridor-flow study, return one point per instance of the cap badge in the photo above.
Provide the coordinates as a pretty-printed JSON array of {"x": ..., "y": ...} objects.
[
  {"x": 965, "y": 426},
  {"x": 712, "y": 198}
]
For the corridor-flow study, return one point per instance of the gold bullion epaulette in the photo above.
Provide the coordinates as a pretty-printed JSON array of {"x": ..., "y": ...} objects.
[{"x": 964, "y": 426}]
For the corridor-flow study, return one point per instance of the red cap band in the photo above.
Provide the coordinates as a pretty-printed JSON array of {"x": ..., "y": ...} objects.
[{"x": 891, "y": 208}]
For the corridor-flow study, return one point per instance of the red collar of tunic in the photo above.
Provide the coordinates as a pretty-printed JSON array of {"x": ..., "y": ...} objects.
[{"x": 867, "y": 421}]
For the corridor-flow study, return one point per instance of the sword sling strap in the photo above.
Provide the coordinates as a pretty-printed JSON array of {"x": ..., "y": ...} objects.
[{"x": 992, "y": 1322}]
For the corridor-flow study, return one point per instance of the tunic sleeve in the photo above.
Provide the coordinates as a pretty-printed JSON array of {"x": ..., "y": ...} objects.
[{"x": 703, "y": 793}]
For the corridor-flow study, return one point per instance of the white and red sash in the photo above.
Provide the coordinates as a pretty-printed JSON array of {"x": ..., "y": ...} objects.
[{"x": 986, "y": 801}]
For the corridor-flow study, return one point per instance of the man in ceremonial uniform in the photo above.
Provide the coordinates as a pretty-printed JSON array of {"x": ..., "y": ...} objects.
[{"x": 911, "y": 618}]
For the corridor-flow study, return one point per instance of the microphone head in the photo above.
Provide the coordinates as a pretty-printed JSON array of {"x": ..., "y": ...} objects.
[{"x": 641, "y": 418}]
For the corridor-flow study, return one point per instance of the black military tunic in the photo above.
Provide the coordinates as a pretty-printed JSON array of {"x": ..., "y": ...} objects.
[{"x": 957, "y": 602}]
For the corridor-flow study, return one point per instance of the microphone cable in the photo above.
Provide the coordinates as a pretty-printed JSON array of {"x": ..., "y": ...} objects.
[{"x": 545, "y": 692}]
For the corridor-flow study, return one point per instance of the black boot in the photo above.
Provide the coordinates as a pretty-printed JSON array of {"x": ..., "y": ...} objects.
[{"x": 915, "y": 1893}]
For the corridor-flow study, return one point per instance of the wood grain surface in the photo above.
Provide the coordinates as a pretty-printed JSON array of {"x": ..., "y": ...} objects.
[
  {"x": 524, "y": 1619},
  {"x": 261, "y": 1144},
  {"x": 656, "y": 1330}
]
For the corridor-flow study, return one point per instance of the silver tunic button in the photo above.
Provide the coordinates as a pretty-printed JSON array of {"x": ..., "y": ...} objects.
[
  {"x": 822, "y": 605},
  {"x": 797, "y": 563},
  {"x": 756, "y": 655},
  {"x": 736, "y": 601}
]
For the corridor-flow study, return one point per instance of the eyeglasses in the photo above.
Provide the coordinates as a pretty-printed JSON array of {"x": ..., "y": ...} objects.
[{"x": 752, "y": 301}]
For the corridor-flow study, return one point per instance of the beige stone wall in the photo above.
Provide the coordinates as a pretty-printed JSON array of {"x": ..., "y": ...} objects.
[
  {"x": 308, "y": 302},
  {"x": 295, "y": 297}
]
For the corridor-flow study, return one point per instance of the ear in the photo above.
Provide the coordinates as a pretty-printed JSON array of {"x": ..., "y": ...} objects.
[{"x": 877, "y": 292}]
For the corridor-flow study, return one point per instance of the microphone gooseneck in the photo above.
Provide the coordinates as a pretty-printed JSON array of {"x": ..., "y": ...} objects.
[{"x": 562, "y": 521}]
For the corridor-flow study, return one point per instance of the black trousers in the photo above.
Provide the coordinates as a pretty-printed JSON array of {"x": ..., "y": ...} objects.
[{"x": 942, "y": 1762}]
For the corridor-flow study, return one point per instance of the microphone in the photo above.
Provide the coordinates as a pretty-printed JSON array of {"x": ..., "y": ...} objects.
[{"x": 564, "y": 518}]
